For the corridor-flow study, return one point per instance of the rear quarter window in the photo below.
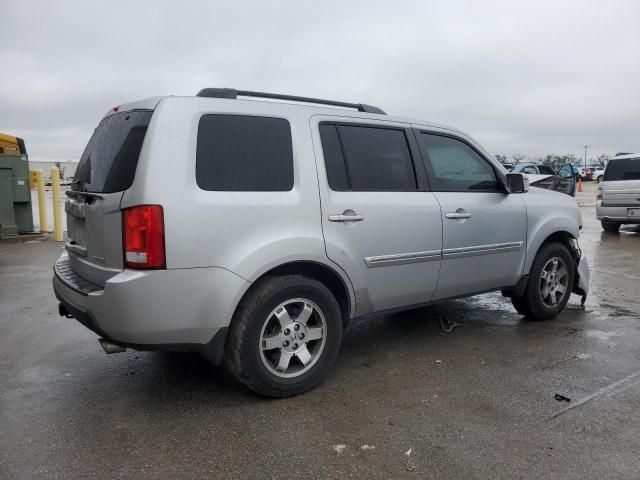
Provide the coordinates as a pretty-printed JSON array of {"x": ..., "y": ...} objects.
[{"x": 244, "y": 153}]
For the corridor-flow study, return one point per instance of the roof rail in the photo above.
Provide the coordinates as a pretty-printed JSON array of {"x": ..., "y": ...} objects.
[{"x": 232, "y": 93}]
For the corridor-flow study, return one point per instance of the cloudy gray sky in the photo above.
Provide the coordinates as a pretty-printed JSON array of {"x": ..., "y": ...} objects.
[{"x": 522, "y": 77}]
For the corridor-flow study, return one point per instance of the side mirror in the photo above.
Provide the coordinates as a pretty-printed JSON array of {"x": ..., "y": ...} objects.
[{"x": 517, "y": 183}]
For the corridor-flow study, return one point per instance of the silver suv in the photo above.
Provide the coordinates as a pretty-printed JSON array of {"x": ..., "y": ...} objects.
[
  {"x": 618, "y": 197},
  {"x": 253, "y": 227}
]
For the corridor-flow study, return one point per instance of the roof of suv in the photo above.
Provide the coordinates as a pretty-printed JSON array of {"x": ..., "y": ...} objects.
[
  {"x": 226, "y": 94},
  {"x": 631, "y": 156}
]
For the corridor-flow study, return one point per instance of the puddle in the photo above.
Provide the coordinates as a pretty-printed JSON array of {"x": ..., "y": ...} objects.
[{"x": 602, "y": 335}]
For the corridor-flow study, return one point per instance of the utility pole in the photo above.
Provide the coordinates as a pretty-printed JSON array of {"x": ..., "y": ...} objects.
[{"x": 585, "y": 158}]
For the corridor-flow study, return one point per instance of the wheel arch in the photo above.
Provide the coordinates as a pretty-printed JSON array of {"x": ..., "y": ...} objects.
[
  {"x": 564, "y": 237},
  {"x": 337, "y": 283}
]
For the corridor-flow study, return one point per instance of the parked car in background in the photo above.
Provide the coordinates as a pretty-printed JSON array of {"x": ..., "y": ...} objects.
[
  {"x": 618, "y": 196},
  {"x": 598, "y": 175},
  {"x": 585, "y": 173},
  {"x": 533, "y": 169},
  {"x": 288, "y": 218},
  {"x": 543, "y": 176}
]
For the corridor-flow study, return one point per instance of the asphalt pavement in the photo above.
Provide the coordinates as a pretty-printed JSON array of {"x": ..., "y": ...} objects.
[{"x": 407, "y": 399}]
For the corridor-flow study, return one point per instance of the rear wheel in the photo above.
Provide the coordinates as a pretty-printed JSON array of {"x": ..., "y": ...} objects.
[
  {"x": 608, "y": 226},
  {"x": 285, "y": 336},
  {"x": 550, "y": 284},
  {"x": 599, "y": 179}
]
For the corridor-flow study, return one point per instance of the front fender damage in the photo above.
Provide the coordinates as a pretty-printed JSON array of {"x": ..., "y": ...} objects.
[{"x": 582, "y": 272}]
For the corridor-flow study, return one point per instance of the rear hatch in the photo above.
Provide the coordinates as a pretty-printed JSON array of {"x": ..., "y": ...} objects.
[
  {"x": 621, "y": 185},
  {"x": 94, "y": 219}
]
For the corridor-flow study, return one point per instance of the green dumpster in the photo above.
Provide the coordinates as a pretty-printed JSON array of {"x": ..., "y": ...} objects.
[{"x": 15, "y": 195}]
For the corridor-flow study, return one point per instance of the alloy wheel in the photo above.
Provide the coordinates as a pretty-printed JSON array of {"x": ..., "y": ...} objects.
[
  {"x": 293, "y": 338},
  {"x": 553, "y": 282}
]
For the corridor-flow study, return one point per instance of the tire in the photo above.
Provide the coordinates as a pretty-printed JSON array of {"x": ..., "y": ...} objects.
[
  {"x": 610, "y": 226},
  {"x": 599, "y": 179},
  {"x": 278, "y": 314},
  {"x": 537, "y": 302},
  {"x": 521, "y": 306}
]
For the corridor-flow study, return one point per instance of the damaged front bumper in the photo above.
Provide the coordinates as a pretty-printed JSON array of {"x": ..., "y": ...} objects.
[{"x": 582, "y": 272}]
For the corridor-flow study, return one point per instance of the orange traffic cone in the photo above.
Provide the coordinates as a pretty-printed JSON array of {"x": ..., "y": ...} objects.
[{"x": 579, "y": 184}]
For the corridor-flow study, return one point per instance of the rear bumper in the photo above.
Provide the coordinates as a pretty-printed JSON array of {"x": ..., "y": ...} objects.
[
  {"x": 617, "y": 213},
  {"x": 184, "y": 309}
]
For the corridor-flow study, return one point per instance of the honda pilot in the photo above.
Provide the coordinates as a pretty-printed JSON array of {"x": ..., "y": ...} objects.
[{"x": 252, "y": 227}]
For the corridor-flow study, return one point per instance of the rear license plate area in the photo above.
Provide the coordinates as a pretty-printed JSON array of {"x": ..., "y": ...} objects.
[{"x": 76, "y": 230}]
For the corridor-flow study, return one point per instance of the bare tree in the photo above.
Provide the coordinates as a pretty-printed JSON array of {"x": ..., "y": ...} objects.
[
  {"x": 602, "y": 159},
  {"x": 60, "y": 170},
  {"x": 501, "y": 158}
]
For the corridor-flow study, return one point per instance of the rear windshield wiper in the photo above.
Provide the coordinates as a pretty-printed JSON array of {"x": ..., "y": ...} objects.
[{"x": 77, "y": 193}]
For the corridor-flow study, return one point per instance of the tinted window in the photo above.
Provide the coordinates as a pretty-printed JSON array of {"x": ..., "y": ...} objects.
[
  {"x": 377, "y": 158},
  {"x": 244, "y": 153},
  {"x": 625, "y": 169},
  {"x": 544, "y": 170},
  {"x": 108, "y": 163},
  {"x": 333, "y": 158},
  {"x": 456, "y": 167}
]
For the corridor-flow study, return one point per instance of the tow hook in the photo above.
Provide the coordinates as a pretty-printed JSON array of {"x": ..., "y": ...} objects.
[{"x": 110, "y": 348}]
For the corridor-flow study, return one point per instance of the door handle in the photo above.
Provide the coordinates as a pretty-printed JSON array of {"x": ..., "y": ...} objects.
[
  {"x": 458, "y": 215},
  {"x": 346, "y": 218}
]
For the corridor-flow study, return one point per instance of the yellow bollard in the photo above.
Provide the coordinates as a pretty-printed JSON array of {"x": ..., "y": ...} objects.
[
  {"x": 57, "y": 214},
  {"x": 42, "y": 205}
]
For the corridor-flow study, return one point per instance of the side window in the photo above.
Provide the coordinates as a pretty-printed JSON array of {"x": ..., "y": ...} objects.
[
  {"x": 364, "y": 158},
  {"x": 333, "y": 158},
  {"x": 244, "y": 153},
  {"x": 456, "y": 167},
  {"x": 544, "y": 170},
  {"x": 530, "y": 170}
]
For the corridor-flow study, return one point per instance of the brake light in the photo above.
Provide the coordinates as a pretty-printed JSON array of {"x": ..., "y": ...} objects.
[
  {"x": 599, "y": 193},
  {"x": 143, "y": 237}
]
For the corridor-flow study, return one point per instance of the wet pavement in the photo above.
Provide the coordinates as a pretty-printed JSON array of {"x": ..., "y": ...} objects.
[{"x": 406, "y": 399}]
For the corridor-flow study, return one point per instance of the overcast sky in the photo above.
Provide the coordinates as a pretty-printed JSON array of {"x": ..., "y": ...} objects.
[{"x": 521, "y": 77}]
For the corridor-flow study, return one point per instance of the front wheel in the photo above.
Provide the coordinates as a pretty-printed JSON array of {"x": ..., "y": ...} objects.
[
  {"x": 285, "y": 336},
  {"x": 550, "y": 284}
]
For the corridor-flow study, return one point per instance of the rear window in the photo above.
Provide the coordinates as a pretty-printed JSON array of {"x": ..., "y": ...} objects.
[
  {"x": 623, "y": 169},
  {"x": 109, "y": 161},
  {"x": 244, "y": 154}
]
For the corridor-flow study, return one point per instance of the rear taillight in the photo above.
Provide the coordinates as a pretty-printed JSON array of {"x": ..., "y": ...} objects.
[
  {"x": 143, "y": 237},
  {"x": 599, "y": 193}
]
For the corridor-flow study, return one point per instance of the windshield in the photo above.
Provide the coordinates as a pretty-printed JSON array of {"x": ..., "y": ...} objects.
[{"x": 109, "y": 161}]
